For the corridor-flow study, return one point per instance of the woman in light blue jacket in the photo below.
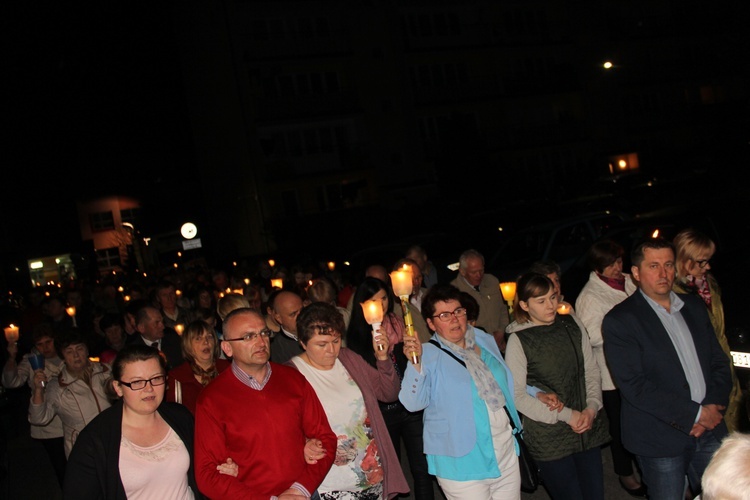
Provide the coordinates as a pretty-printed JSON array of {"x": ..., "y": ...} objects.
[{"x": 466, "y": 391}]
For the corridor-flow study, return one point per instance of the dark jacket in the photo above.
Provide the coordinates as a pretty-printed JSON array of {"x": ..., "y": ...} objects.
[
  {"x": 657, "y": 410},
  {"x": 171, "y": 347},
  {"x": 93, "y": 466}
]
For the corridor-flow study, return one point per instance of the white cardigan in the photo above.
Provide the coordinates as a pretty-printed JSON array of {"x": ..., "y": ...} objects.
[{"x": 594, "y": 301}]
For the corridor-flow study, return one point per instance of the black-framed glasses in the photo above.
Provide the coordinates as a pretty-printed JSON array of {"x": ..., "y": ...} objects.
[
  {"x": 446, "y": 316},
  {"x": 252, "y": 336},
  {"x": 703, "y": 263},
  {"x": 137, "y": 385}
]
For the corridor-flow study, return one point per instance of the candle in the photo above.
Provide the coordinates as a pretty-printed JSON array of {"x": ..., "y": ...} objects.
[
  {"x": 277, "y": 283},
  {"x": 402, "y": 282},
  {"x": 508, "y": 290},
  {"x": 71, "y": 310},
  {"x": 563, "y": 309},
  {"x": 373, "y": 311},
  {"x": 11, "y": 333},
  {"x": 179, "y": 328}
]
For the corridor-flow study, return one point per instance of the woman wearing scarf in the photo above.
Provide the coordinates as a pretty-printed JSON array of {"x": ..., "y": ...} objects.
[
  {"x": 202, "y": 364},
  {"x": 606, "y": 287},
  {"x": 694, "y": 251},
  {"x": 466, "y": 391}
]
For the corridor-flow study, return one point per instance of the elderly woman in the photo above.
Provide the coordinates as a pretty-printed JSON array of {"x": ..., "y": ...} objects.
[
  {"x": 77, "y": 394},
  {"x": 465, "y": 389},
  {"x": 552, "y": 352},
  {"x": 142, "y": 446},
  {"x": 693, "y": 253},
  {"x": 366, "y": 465},
  {"x": 202, "y": 364}
]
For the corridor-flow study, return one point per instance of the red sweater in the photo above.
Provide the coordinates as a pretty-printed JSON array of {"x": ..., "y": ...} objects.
[
  {"x": 264, "y": 432},
  {"x": 189, "y": 384}
]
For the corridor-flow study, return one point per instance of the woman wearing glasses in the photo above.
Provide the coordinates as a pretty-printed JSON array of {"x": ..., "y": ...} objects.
[
  {"x": 693, "y": 253},
  {"x": 202, "y": 364},
  {"x": 466, "y": 391},
  {"x": 366, "y": 465},
  {"x": 142, "y": 446}
]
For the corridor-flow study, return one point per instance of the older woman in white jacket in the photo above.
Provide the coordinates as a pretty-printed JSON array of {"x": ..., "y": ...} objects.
[
  {"x": 77, "y": 395},
  {"x": 608, "y": 286}
]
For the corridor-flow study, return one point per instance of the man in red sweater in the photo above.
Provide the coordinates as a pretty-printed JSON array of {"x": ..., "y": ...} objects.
[{"x": 259, "y": 414}]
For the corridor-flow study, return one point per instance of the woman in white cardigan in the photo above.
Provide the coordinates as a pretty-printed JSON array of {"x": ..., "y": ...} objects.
[{"x": 607, "y": 286}]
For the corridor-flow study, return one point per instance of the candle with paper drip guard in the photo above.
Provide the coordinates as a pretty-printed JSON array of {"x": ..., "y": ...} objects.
[
  {"x": 402, "y": 287},
  {"x": 11, "y": 333},
  {"x": 563, "y": 309},
  {"x": 71, "y": 310},
  {"x": 179, "y": 328},
  {"x": 373, "y": 311}
]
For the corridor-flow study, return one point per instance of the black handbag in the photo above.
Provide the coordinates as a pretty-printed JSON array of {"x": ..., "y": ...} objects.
[
  {"x": 527, "y": 466},
  {"x": 530, "y": 477}
]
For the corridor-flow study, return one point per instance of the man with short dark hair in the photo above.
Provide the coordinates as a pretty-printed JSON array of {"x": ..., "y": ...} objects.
[
  {"x": 672, "y": 374},
  {"x": 260, "y": 414}
]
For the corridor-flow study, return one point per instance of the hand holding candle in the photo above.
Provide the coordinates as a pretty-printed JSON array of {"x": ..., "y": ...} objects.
[
  {"x": 402, "y": 286},
  {"x": 373, "y": 311}
]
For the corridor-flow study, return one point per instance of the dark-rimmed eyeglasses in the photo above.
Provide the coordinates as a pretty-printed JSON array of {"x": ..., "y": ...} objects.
[
  {"x": 703, "y": 263},
  {"x": 252, "y": 336},
  {"x": 446, "y": 316},
  {"x": 137, "y": 385}
]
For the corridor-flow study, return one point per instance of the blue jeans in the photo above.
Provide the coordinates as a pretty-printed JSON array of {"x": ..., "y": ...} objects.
[
  {"x": 579, "y": 476},
  {"x": 665, "y": 476}
]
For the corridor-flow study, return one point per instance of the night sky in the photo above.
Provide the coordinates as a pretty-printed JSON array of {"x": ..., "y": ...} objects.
[{"x": 94, "y": 105}]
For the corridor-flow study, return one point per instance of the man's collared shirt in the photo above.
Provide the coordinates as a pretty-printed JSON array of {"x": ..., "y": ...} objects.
[{"x": 249, "y": 381}]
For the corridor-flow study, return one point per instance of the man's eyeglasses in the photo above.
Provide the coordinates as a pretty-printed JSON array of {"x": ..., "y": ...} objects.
[
  {"x": 251, "y": 337},
  {"x": 703, "y": 263},
  {"x": 446, "y": 316},
  {"x": 137, "y": 385}
]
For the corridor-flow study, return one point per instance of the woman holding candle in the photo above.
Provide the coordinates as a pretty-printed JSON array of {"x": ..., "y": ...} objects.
[
  {"x": 606, "y": 287},
  {"x": 77, "y": 395},
  {"x": 18, "y": 374},
  {"x": 366, "y": 464},
  {"x": 200, "y": 348},
  {"x": 552, "y": 352},
  {"x": 465, "y": 390},
  {"x": 401, "y": 423}
]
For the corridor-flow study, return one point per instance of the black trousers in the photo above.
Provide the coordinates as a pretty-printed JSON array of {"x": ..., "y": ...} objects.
[{"x": 407, "y": 426}]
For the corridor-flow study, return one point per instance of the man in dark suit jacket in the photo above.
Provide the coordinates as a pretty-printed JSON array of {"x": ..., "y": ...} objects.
[
  {"x": 673, "y": 377},
  {"x": 150, "y": 330}
]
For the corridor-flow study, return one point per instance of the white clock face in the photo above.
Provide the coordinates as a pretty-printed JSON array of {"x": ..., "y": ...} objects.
[{"x": 188, "y": 230}]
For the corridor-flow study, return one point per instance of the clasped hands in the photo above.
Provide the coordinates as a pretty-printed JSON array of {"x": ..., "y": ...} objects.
[
  {"x": 580, "y": 421},
  {"x": 709, "y": 418}
]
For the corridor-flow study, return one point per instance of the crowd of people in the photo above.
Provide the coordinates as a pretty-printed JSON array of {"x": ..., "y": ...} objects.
[{"x": 213, "y": 385}]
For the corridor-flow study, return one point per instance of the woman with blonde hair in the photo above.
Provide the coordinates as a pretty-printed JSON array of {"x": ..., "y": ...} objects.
[
  {"x": 693, "y": 253},
  {"x": 200, "y": 347}
]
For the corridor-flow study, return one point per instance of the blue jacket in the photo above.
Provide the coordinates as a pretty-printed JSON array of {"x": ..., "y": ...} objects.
[{"x": 443, "y": 391}]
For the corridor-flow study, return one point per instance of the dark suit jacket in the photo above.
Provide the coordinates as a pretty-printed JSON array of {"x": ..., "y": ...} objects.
[
  {"x": 171, "y": 346},
  {"x": 657, "y": 412}
]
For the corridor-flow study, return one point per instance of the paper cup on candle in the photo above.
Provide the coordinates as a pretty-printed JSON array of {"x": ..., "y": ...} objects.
[
  {"x": 11, "y": 334},
  {"x": 373, "y": 311}
]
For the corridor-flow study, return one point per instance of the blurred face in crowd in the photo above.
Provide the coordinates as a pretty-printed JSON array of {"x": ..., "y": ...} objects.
[
  {"x": 614, "y": 270},
  {"x": 167, "y": 297},
  {"x": 152, "y": 327},
  {"x": 76, "y": 357},
  {"x": 474, "y": 271},
  {"x": 46, "y": 347},
  {"x": 699, "y": 266},
  {"x": 286, "y": 308},
  {"x": 203, "y": 347}
]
